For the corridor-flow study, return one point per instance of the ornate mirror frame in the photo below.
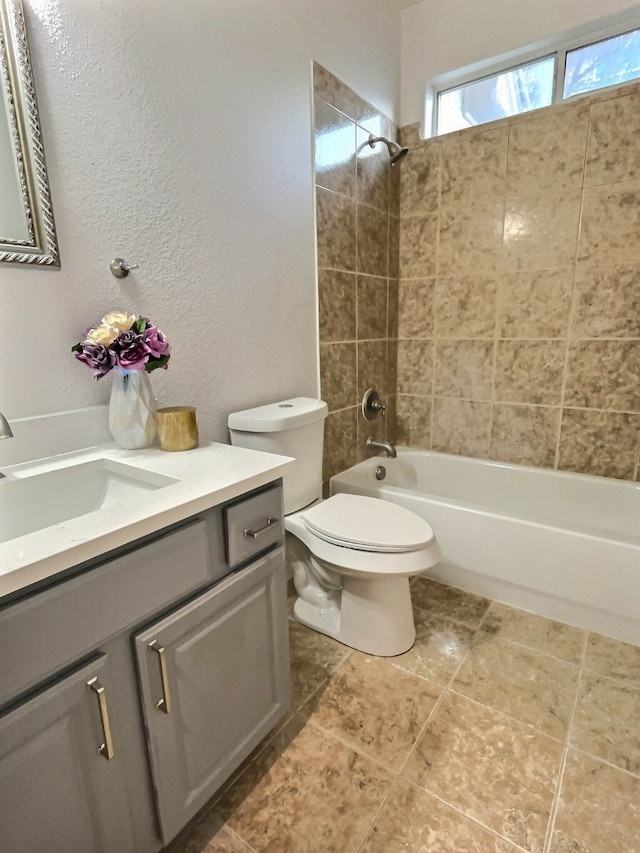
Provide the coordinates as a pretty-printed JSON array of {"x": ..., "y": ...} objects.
[{"x": 16, "y": 79}]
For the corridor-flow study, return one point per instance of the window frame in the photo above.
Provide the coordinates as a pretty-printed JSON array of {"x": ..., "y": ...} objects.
[{"x": 557, "y": 47}]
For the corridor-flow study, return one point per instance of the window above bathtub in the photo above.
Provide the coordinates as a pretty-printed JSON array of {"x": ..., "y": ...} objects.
[{"x": 534, "y": 78}]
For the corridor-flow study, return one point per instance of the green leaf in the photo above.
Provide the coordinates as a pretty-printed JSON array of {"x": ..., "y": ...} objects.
[
  {"x": 155, "y": 363},
  {"x": 76, "y": 348}
]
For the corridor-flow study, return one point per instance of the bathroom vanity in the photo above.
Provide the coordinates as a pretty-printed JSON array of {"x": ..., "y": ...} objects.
[{"x": 134, "y": 682}]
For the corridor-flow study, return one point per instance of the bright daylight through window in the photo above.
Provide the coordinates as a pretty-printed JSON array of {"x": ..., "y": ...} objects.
[{"x": 521, "y": 88}]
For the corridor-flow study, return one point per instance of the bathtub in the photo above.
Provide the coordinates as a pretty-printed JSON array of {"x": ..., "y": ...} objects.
[{"x": 566, "y": 546}]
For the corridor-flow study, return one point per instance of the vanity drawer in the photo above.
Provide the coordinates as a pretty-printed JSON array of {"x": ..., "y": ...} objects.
[
  {"x": 51, "y": 629},
  {"x": 252, "y": 525}
]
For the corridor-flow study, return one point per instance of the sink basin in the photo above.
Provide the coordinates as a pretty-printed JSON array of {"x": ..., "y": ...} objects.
[{"x": 42, "y": 500}]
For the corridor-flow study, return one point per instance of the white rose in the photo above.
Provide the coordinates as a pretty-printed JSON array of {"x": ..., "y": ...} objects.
[
  {"x": 103, "y": 334},
  {"x": 119, "y": 320}
]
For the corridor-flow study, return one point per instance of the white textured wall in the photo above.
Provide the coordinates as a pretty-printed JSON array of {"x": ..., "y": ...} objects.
[
  {"x": 178, "y": 136},
  {"x": 442, "y": 35}
]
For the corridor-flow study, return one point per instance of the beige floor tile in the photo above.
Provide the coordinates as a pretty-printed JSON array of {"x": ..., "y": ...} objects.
[
  {"x": 306, "y": 793},
  {"x": 376, "y": 707},
  {"x": 314, "y": 657},
  {"x": 494, "y": 769},
  {"x": 613, "y": 658},
  {"x": 606, "y": 721},
  {"x": 598, "y": 809},
  {"x": 532, "y": 687},
  {"x": 413, "y": 821},
  {"x": 209, "y": 835},
  {"x": 439, "y": 648},
  {"x": 449, "y": 602},
  {"x": 535, "y": 632}
]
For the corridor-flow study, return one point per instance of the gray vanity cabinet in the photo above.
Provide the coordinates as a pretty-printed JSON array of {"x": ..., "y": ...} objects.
[
  {"x": 214, "y": 678},
  {"x": 132, "y": 687},
  {"x": 66, "y": 728}
]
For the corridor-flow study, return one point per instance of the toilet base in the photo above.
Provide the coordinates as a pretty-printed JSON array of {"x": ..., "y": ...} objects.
[{"x": 375, "y": 616}]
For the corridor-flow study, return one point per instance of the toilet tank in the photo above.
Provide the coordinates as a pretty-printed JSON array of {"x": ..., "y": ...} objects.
[{"x": 292, "y": 428}]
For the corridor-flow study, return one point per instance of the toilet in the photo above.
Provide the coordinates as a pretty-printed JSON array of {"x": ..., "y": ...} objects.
[{"x": 351, "y": 556}]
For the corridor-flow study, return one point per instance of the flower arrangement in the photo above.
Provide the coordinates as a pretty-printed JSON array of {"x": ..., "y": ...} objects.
[{"x": 124, "y": 342}]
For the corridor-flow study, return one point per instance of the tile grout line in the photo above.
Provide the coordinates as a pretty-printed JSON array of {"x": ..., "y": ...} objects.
[
  {"x": 565, "y": 752},
  {"x": 414, "y": 746}
]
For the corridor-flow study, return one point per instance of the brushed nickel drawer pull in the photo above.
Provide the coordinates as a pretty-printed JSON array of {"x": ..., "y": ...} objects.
[
  {"x": 105, "y": 749},
  {"x": 253, "y": 534},
  {"x": 163, "y": 704}
]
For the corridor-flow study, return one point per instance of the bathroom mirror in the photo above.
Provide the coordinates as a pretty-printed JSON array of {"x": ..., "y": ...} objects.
[{"x": 27, "y": 229}]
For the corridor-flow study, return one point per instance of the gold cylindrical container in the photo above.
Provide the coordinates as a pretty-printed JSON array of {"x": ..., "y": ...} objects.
[{"x": 177, "y": 428}]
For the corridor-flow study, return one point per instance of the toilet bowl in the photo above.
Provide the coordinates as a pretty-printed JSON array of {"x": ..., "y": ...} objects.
[{"x": 351, "y": 556}]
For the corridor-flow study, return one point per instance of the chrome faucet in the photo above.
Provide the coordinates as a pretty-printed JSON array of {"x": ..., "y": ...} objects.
[{"x": 389, "y": 448}]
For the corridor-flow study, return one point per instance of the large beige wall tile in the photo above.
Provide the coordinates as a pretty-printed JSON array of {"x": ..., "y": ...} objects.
[
  {"x": 534, "y": 304},
  {"x": 340, "y": 442},
  {"x": 464, "y": 369},
  {"x": 336, "y": 305},
  {"x": 338, "y": 368},
  {"x": 613, "y": 153},
  {"x": 336, "y": 230},
  {"x": 609, "y": 231},
  {"x": 606, "y": 302},
  {"x": 413, "y": 421},
  {"x": 420, "y": 180},
  {"x": 372, "y": 307},
  {"x": 524, "y": 435},
  {"x": 373, "y": 369},
  {"x": 418, "y": 246},
  {"x": 529, "y": 372},
  {"x": 465, "y": 306},
  {"x": 393, "y": 299},
  {"x": 394, "y": 246},
  {"x": 546, "y": 151},
  {"x": 461, "y": 426},
  {"x": 470, "y": 238},
  {"x": 604, "y": 375},
  {"x": 474, "y": 166},
  {"x": 335, "y": 143},
  {"x": 372, "y": 240},
  {"x": 415, "y": 367},
  {"x": 541, "y": 231},
  {"x": 601, "y": 443},
  {"x": 415, "y": 308}
]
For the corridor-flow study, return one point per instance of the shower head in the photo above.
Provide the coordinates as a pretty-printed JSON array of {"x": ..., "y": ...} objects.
[{"x": 396, "y": 152}]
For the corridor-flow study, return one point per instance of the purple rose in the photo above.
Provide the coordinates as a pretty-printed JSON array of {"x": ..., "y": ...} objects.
[
  {"x": 96, "y": 356},
  {"x": 131, "y": 352},
  {"x": 155, "y": 340}
]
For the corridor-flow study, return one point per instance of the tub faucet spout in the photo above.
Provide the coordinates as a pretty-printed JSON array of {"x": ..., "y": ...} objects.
[{"x": 389, "y": 448}]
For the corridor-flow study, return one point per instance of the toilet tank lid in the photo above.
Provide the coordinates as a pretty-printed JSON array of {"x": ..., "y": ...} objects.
[{"x": 276, "y": 417}]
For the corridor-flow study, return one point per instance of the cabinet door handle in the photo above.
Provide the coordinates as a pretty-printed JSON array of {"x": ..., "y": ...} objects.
[
  {"x": 163, "y": 704},
  {"x": 105, "y": 749},
  {"x": 253, "y": 534}
]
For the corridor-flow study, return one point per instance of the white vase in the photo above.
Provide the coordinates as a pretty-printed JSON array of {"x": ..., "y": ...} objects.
[{"x": 132, "y": 407}]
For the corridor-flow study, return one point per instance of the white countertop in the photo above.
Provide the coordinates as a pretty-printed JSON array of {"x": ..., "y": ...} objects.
[{"x": 207, "y": 476}]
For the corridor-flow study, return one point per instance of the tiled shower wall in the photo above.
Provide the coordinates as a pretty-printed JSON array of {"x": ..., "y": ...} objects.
[
  {"x": 518, "y": 307},
  {"x": 357, "y": 240},
  {"x": 519, "y": 295}
]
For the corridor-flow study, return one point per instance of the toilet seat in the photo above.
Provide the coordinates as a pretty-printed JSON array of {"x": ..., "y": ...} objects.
[
  {"x": 367, "y": 524},
  {"x": 349, "y": 557}
]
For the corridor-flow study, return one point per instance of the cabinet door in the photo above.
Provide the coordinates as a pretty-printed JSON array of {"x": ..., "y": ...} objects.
[
  {"x": 214, "y": 678},
  {"x": 61, "y": 776}
]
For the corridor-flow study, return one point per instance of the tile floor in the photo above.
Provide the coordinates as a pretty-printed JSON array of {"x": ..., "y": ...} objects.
[{"x": 499, "y": 731}]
